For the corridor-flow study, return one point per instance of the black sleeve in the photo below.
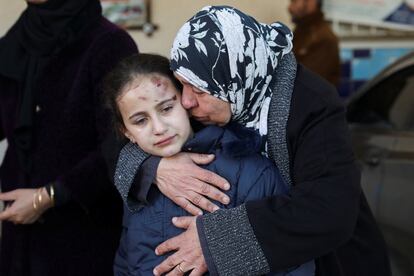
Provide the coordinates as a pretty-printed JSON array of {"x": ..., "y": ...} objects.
[
  {"x": 322, "y": 211},
  {"x": 88, "y": 179},
  {"x": 2, "y": 134}
]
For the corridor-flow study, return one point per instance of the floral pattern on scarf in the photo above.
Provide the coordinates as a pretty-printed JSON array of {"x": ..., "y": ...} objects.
[{"x": 233, "y": 57}]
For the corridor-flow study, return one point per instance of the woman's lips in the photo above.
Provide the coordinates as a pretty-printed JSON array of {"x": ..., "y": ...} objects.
[{"x": 165, "y": 142}]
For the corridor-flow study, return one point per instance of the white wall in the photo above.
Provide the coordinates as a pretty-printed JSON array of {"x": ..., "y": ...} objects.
[{"x": 169, "y": 16}]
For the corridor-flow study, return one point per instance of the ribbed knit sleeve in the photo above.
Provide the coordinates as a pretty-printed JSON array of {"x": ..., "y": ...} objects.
[
  {"x": 229, "y": 243},
  {"x": 130, "y": 159}
]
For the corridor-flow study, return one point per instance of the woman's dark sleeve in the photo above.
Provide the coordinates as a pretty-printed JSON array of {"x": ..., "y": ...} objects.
[
  {"x": 88, "y": 179},
  {"x": 321, "y": 212}
]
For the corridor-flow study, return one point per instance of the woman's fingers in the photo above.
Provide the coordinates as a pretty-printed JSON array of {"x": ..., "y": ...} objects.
[
  {"x": 201, "y": 159},
  {"x": 188, "y": 206},
  {"x": 182, "y": 222},
  {"x": 9, "y": 196},
  {"x": 211, "y": 192},
  {"x": 209, "y": 177},
  {"x": 179, "y": 269},
  {"x": 202, "y": 202},
  {"x": 190, "y": 186},
  {"x": 6, "y": 214},
  {"x": 189, "y": 254},
  {"x": 167, "y": 265},
  {"x": 169, "y": 245},
  {"x": 198, "y": 271},
  {"x": 194, "y": 202}
]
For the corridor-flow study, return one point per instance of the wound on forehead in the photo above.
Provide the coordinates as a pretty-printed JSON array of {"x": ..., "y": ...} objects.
[
  {"x": 160, "y": 83},
  {"x": 136, "y": 84}
]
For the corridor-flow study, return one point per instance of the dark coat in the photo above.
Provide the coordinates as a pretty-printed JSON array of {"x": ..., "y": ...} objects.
[
  {"x": 327, "y": 214},
  {"x": 79, "y": 238},
  {"x": 317, "y": 47},
  {"x": 237, "y": 159}
]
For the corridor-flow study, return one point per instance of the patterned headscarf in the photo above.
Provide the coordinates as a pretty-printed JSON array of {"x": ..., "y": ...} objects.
[{"x": 231, "y": 56}]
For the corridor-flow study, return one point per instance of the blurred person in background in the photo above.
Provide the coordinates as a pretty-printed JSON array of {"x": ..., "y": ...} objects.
[
  {"x": 62, "y": 215},
  {"x": 314, "y": 43}
]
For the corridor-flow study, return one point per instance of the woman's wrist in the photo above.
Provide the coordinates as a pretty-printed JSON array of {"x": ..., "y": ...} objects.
[{"x": 42, "y": 200}]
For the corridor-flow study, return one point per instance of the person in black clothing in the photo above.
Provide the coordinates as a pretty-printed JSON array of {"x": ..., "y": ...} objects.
[
  {"x": 62, "y": 215},
  {"x": 234, "y": 69}
]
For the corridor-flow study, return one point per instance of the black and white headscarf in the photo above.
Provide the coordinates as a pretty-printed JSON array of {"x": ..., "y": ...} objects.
[{"x": 231, "y": 56}]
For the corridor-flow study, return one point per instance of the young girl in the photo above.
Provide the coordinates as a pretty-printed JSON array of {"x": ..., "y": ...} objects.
[{"x": 144, "y": 98}]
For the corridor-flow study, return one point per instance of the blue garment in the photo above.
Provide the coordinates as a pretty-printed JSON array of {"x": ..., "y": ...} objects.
[{"x": 237, "y": 159}]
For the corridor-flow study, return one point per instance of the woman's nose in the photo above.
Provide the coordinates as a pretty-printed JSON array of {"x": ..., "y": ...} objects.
[{"x": 188, "y": 99}]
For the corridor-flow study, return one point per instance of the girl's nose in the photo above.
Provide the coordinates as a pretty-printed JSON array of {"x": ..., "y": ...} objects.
[{"x": 159, "y": 127}]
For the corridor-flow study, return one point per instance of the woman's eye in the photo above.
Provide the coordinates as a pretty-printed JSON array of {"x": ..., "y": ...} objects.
[{"x": 197, "y": 91}]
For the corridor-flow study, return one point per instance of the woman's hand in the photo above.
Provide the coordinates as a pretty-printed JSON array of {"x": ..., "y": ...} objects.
[
  {"x": 189, "y": 186},
  {"x": 189, "y": 255},
  {"x": 21, "y": 210}
]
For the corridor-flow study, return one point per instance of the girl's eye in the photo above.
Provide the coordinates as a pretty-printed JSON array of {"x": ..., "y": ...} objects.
[
  {"x": 166, "y": 109},
  {"x": 140, "y": 121}
]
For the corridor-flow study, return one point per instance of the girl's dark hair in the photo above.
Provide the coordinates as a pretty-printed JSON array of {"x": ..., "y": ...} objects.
[{"x": 125, "y": 72}]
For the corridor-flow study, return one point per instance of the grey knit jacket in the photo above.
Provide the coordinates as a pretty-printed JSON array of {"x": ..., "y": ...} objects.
[{"x": 228, "y": 241}]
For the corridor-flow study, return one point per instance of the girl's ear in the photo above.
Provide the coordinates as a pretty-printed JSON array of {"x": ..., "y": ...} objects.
[{"x": 128, "y": 135}]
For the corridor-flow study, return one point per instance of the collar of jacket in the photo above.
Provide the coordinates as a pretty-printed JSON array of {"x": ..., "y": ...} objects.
[{"x": 233, "y": 140}]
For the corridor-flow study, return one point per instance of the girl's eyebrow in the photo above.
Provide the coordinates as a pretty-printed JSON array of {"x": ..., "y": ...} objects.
[{"x": 173, "y": 98}]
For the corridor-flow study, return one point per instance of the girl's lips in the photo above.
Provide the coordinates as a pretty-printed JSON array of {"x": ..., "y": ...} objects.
[{"x": 165, "y": 142}]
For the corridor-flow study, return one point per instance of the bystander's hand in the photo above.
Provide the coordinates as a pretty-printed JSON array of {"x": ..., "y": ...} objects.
[{"x": 25, "y": 206}]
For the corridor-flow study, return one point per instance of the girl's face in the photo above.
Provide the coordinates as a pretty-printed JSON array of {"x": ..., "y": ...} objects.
[{"x": 153, "y": 115}]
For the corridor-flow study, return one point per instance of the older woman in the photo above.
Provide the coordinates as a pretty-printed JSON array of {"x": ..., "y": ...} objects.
[{"x": 236, "y": 69}]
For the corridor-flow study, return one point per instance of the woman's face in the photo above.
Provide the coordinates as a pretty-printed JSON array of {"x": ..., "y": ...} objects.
[
  {"x": 153, "y": 115},
  {"x": 204, "y": 107}
]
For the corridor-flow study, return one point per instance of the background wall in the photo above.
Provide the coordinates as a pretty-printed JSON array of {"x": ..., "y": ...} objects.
[{"x": 169, "y": 16}]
